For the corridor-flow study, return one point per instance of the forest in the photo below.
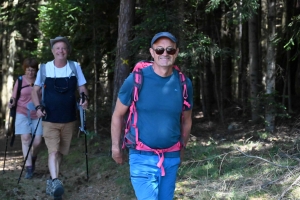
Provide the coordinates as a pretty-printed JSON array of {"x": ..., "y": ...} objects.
[{"x": 242, "y": 55}]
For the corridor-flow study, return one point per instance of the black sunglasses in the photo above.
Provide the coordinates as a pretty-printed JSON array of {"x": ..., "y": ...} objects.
[
  {"x": 61, "y": 89},
  {"x": 169, "y": 50}
]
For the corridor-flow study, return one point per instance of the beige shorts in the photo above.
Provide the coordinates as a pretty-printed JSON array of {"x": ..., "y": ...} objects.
[{"x": 58, "y": 136}]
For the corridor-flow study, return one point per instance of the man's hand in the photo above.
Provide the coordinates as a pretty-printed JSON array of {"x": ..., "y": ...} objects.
[
  {"x": 117, "y": 155},
  {"x": 40, "y": 112},
  {"x": 84, "y": 104},
  {"x": 11, "y": 103}
]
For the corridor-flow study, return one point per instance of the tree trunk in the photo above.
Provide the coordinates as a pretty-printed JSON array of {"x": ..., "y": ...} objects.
[
  {"x": 95, "y": 103},
  {"x": 181, "y": 36},
  {"x": 126, "y": 17},
  {"x": 271, "y": 67},
  {"x": 243, "y": 69},
  {"x": 253, "y": 66},
  {"x": 8, "y": 64},
  {"x": 226, "y": 62}
]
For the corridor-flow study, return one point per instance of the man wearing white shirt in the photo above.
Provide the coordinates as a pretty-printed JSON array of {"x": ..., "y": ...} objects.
[{"x": 58, "y": 107}]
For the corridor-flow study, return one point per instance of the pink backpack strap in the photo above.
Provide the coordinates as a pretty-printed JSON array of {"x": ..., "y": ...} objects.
[
  {"x": 138, "y": 80},
  {"x": 160, "y": 153},
  {"x": 184, "y": 88}
]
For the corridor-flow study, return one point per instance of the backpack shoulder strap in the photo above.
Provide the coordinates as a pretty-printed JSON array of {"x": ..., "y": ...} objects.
[
  {"x": 73, "y": 68},
  {"x": 129, "y": 140},
  {"x": 43, "y": 78},
  {"x": 137, "y": 84},
  {"x": 184, "y": 87},
  {"x": 43, "y": 73},
  {"x": 138, "y": 77}
]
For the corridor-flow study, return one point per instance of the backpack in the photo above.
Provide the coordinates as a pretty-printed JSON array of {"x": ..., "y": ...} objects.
[
  {"x": 13, "y": 109},
  {"x": 134, "y": 143},
  {"x": 43, "y": 75}
]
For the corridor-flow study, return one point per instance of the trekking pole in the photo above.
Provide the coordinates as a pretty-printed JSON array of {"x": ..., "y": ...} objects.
[
  {"x": 11, "y": 101},
  {"x": 83, "y": 129},
  {"x": 33, "y": 136}
]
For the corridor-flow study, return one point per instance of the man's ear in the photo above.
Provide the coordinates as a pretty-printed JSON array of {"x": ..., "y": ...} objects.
[{"x": 151, "y": 52}]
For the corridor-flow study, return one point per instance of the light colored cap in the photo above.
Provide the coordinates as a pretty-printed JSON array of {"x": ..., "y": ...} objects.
[{"x": 60, "y": 39}]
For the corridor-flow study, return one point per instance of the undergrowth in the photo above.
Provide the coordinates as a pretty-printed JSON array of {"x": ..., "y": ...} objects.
[
  {"x": 237, "y": 170},
  {"x": 243, "y": 168},
  {"x": 244, "y": 165}
]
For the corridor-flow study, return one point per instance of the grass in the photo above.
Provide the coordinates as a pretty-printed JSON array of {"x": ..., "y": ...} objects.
[
  {"x": 215, "y": 169},
  {"x": 212, "y": 169},
  {"x": 218, "y": 171}
]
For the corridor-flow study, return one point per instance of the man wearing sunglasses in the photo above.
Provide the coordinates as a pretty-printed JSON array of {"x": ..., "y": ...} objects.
[
  {"x": 60, "y": 83},
  {"x": 162, "y": 122}
]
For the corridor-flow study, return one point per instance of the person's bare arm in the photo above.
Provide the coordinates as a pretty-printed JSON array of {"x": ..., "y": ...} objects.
[
  {"x": 12, "y": 101},
  {"x": 116, "y": 130},
  {"x": 35, "y": 97},
  {"x": 186, "y": 127}
]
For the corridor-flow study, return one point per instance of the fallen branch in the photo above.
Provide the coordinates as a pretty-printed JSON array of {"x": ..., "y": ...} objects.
[
  {"x": 289, "y": 188},
  {"x": 284, "y": 155},
  {"x": 204, "y": 160},
  {"x": 282, "y": 179},
  {"x": 221, "y": 163},
  {"x": 270, "y": 183},
  {"x": 288, "y": 167}
]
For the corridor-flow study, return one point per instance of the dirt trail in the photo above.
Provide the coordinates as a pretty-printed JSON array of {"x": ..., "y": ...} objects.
[
  {"x": 12, "y": 154},
  {"x": 101, "y": 185}
]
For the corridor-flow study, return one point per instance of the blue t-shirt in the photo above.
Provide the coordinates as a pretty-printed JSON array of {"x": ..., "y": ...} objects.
[{"x": 159, "y": 107}]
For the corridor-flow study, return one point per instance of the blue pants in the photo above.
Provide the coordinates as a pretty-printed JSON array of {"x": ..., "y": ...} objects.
[{"x": 146, "y": 177}]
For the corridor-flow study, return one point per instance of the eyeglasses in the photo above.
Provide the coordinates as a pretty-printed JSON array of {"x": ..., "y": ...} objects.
[
  {"x": 61, "y": 89},
  {"x": 30, "y": 70},
  {"x": 169, "y": 50}
]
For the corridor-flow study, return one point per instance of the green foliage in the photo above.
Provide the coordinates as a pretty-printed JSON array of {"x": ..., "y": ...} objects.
[
  {"x": 148, "y": 24},
  {"x": 199, "y": 49},
  {"x": 273, "y": 101},
  {"x": 18, "y": 22},
  {"x": 293, "y": 41},
  {"x": 90, "y": 135},
  {"x": 85, "y": 23},
  {"x": 263, "y": 135},
  {"x": 244, "y": 10}
]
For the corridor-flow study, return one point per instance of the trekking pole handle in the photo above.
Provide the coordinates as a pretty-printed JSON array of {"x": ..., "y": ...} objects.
[
  {"x": 82, "y": 97},
  {"x": 11, "y": 113}
]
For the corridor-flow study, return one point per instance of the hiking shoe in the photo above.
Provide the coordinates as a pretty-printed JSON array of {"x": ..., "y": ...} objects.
[
  {"x": 58, "y": 189},
  {"x": 49, "y": 189},
  {"x": 29, "y": 172}
]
